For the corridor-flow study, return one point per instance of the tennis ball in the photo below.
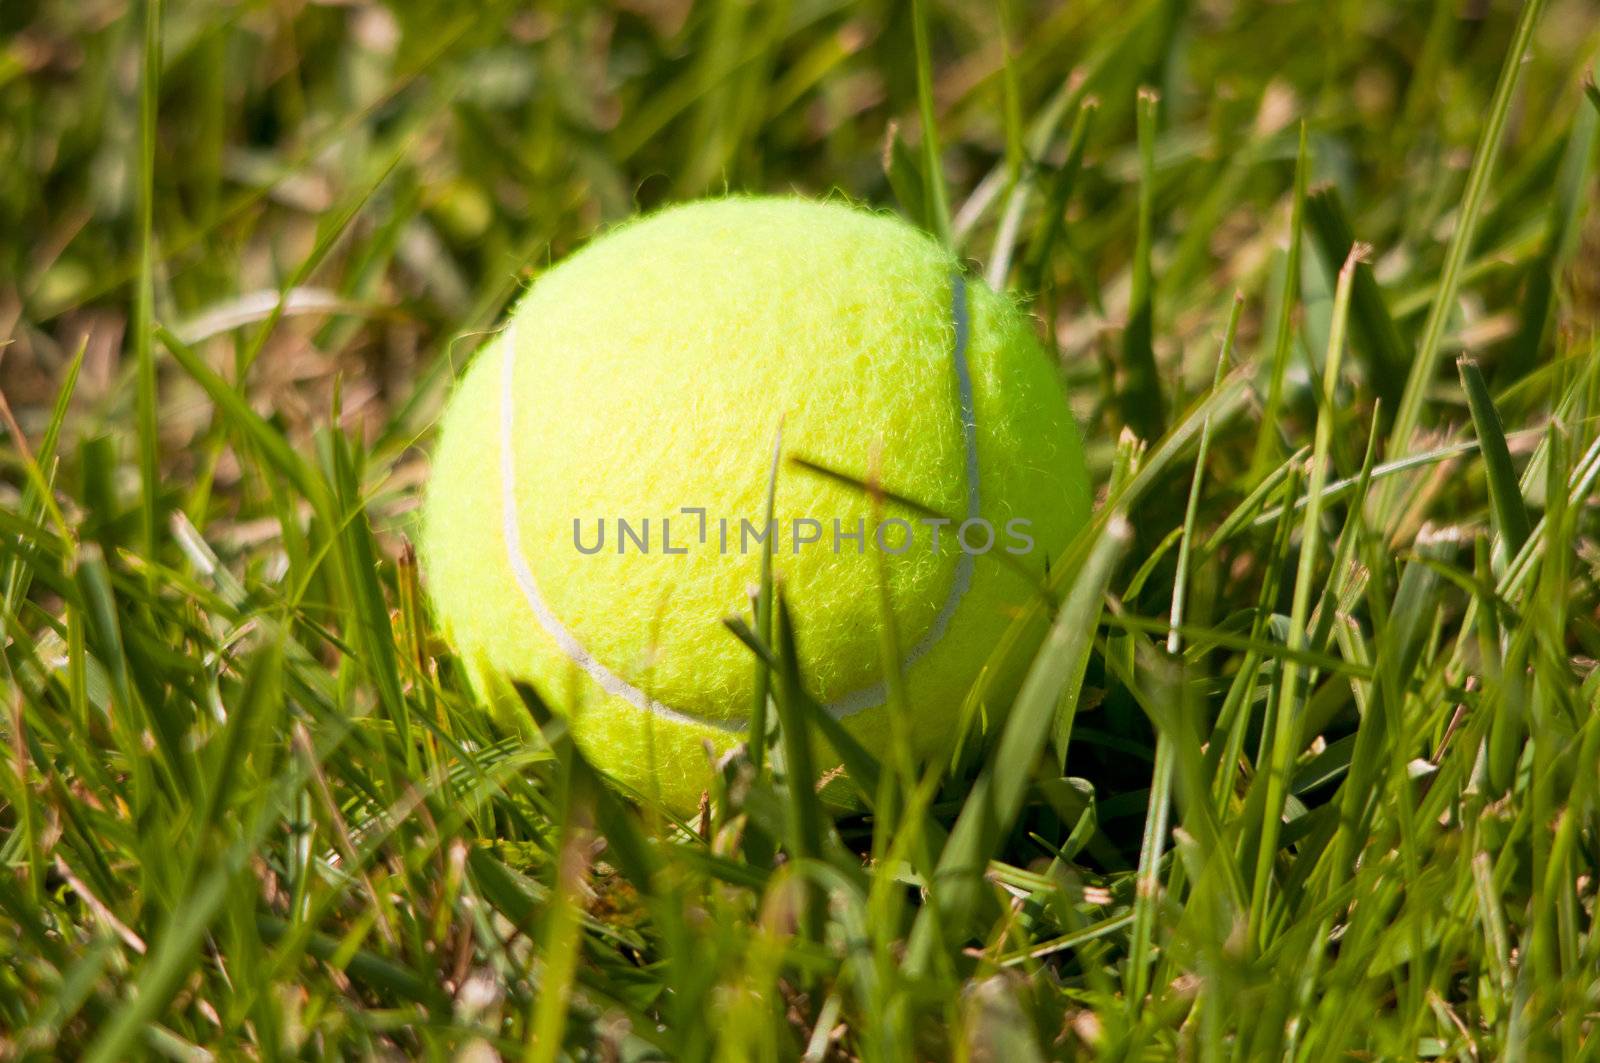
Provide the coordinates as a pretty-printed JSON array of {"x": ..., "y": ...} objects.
[{"x": 598, "y": 497}]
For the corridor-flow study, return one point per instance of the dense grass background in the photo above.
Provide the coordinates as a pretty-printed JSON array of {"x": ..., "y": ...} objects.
[{"x": 1310, "y": 767}]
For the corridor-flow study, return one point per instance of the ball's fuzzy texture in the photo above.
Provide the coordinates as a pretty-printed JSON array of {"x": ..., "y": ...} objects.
[{"x": 647, "y": 376}]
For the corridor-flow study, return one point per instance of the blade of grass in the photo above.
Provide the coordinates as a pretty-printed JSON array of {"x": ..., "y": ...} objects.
[
  {"x": 1284, "y": 330},
  {"x": 144, "y": 289},
  {"x": 1506, "y": 508},
  {"x": 1143, "y": 406},
  {"x": 1147, "y": 890},
  {"x": 1282, "y": 724},
  {"x": 1563, "y": 232},
  {"x": 937, "y": 203},
  {"x": 906, "y": 180},
  {"x": 804, "y": 809},
  {"x": 1019, "y": 175},
  {"x": 1408, "y": 415},
  {"x": 996, "y": 799},
  {"x": 763, "y": 618},
  {"x": 1059, "y": 193},
  {"x": 253, "y": 429},
  {"x": 1376, "y": 336}
]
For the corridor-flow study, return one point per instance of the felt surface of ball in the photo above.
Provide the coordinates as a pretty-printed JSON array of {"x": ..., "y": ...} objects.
[{"x": 599, "y": 485}]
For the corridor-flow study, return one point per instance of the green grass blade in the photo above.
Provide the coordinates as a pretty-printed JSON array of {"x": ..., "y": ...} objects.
[
  {"x": 1283, "y": 725},
  {"x": 997, "y": 797},
  {"x": 1423, "y": 366},
  {"x": 934, "y": 196},
  {"x": 1142, "y": 401},
  {"x": 144, "y": 290},
  {"x": 1377, "y": 337},
  {"x": 1506, "y": 507},
  {"x": 1267, "y": 438},
  {"x": 763, "y": 619}
]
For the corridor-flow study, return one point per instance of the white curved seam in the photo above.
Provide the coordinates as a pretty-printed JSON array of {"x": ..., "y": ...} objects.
[
  {"x": 878, "y": 693},
  {"x": 608, "y": 680},
  {"x": 848, "y": 705}
]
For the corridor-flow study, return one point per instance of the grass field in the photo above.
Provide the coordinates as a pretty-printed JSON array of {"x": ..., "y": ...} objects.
[{"x": 1311, "y": 771}]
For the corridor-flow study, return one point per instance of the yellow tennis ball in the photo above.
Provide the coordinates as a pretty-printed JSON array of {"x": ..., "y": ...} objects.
[{"x": 598, "y": 498}]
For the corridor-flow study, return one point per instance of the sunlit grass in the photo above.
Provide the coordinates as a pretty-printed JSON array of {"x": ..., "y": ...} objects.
[{"x": 1308, "y": 766}]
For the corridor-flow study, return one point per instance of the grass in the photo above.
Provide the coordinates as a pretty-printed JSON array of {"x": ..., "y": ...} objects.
[{"x": 1307, "y": 768}]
